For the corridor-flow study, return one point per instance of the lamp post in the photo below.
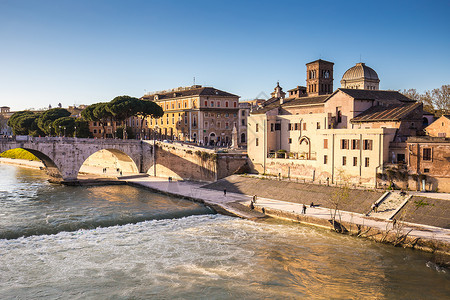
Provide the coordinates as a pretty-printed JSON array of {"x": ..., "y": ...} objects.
[
  {"x": 75, "y": 132},
  {"x": 64, "y": 131},
  {"x": 59, "y": 130},
  {"x": 50, "y": 130}
]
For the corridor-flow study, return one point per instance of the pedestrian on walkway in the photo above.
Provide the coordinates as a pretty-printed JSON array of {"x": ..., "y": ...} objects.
[
  {"x": 254, "y": 199},
  {"x": 304, "y": 209},
  {"x": 224, "y": 192},
  {"x": 312, "y": 204},
  {"x": 252, "y": 206}
]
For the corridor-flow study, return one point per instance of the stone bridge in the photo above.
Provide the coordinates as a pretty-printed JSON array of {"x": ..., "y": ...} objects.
[{"x": 64, "y": 156}]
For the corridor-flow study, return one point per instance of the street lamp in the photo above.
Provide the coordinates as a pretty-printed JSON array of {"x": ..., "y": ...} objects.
[
  {"x": 50, "y": 130},
  {"x": 75, "y": 132},
  {"x": 59, "y": 130},
  {"x": 64, "y": 131}
]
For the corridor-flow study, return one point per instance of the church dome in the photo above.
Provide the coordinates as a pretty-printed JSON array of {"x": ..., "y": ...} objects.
[{"x": 360, "y": 71}]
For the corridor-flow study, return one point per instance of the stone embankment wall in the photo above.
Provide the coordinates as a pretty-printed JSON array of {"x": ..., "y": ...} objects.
[
  {"x": 392, "y": 234},
  {"x": 194, "y": 163}
]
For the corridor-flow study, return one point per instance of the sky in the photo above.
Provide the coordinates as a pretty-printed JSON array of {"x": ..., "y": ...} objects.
[{"x": 88, "y": 51}]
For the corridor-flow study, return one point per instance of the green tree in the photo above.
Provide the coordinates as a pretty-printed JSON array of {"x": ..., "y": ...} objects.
[
  {"x": 46, "y": 120},
  {"x": 124, "y": 107},
  {"x": 82, "y": 128},
  {"x": 22, "y": 121},
  {"x": 149, "y": 108},
  {"x": 64, "y": 126},
  {"x": 102, "y": 115}
]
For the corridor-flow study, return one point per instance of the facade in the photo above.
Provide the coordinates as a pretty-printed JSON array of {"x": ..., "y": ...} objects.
[
  {"x": 5, "y": 114},
  {"x": 440, "y": 127},
  {"x": 429, "y": 158},
  {"x": 204, "y": 115},
  {"x": 350, "y": 133},
  {"x": 360, "y": 77}
]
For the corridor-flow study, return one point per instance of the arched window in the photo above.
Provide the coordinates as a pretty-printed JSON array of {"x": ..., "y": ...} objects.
[{"x": 243, "y": 138}]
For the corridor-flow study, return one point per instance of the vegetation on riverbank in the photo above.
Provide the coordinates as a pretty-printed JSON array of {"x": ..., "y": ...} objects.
[{"x": 19, "y": 154}]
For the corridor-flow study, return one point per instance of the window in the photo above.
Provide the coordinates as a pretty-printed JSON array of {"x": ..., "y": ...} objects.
[
  {"x": 304, "y": 126},
  {"x": 344, "y": 160},
  {"x": 290, "y": 141},
  {"x": 243, "y": 122},
  {"x": 227, "y": 115},
  {"x": 257, "y": 127},
  {"x": 289, "y": 126},
  {"x": 212, "y": 103},
  {"x": 277, "y": 126},
  {"x": 95, "y": 130},
  {"x": 226, "y": 125},
  {"x": 325, "y": 143},
  {"x": 226, "y": 103},
  {"x": 296, "y": 126},
  {"x": 426, "y": 154},
  {"x": 325, "y": 159},
  {"x": 366, "y": 162},
  {"x": 355, "y": 144},
  {"x": 355, "y": 161},
  {"x": 367, "y": 145},
  {"x": 426, "y": 170},
  {"x": 235, "y": 104},
  {"x": 218, "y": 103},
  {"x": 271, "y": 127},
  {"x": 218, "y": 125},
  {"x": 338, "y": 114},
  {"x": 243, "y": 112},
  {"x": 206, "y": 103},
  {"x": 344, "y": 144},
  {"x": 257, "y": 142},
  {"x": 318, "y": 125}
]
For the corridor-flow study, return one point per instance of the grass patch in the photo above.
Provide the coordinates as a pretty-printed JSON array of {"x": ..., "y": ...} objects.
[{"x": 19, "y": 154}]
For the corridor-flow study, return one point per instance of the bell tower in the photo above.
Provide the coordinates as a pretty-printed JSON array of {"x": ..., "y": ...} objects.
[{"x": 319, "y": 77}]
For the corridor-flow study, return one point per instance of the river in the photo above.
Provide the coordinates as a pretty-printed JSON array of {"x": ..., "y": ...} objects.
[{"x": 121, "y": 242}]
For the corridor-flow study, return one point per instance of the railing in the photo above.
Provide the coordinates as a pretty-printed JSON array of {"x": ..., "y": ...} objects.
[{"x": 293, "y": 155}]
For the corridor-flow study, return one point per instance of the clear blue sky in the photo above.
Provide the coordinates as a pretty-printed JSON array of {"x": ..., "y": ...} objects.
[{"x": 82, "y": 52}]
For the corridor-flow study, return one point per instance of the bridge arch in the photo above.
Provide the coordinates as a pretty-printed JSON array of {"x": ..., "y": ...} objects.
[
  {"x": 51, "y": 168},
  {"x": 108, "y": 161}
]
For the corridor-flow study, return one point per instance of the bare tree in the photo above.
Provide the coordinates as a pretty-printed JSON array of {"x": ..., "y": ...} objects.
[{"x": 339, "y": 198}]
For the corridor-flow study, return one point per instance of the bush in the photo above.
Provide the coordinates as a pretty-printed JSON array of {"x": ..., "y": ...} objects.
[{"x": 19, "y": 154}]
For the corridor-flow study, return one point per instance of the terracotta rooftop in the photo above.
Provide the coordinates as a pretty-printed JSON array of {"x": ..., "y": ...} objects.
[{"x": 383, "y": 113}]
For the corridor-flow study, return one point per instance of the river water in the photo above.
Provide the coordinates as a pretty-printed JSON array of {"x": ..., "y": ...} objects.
[{"x": 121, "y": 242}]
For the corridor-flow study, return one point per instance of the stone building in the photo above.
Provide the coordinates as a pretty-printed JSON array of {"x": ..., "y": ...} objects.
[
  {"x": 440, "y": 127},
  {"x": 322, "y": 135},
  {"x": 360, "y": 77},
  {"x": 197, "y": 114},
  {"x": 429, "y": 158}
]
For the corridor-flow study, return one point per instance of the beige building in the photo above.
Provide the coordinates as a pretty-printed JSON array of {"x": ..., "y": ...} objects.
[
  {"x": 440, "y": 127},
  {"x": 198, "y": 114},
  {"x": 321, "y": 137}
]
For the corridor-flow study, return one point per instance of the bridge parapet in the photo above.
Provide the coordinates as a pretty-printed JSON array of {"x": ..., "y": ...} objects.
[{"x": 64, "y": 156}]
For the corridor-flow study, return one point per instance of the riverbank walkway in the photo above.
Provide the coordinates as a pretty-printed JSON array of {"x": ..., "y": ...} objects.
[{"x": 235, "y": 203}]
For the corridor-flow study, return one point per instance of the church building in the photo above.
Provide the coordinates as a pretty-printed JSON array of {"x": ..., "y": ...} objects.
[{"x": 320, "y": 134}]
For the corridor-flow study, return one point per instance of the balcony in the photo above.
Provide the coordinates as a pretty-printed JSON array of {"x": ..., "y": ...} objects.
[{"x": 292, "y": 155}]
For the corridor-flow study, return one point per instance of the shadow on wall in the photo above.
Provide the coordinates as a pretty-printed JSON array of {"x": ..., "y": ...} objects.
[{"x": 185, "y": 165}]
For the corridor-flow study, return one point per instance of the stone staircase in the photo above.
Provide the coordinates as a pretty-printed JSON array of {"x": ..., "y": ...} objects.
[{"x": 389, "y": 205}]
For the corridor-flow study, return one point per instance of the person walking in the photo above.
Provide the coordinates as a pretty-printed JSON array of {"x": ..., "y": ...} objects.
[
  {"x": 304, "y": 209},
  {"x": 224, "y": 192}
]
